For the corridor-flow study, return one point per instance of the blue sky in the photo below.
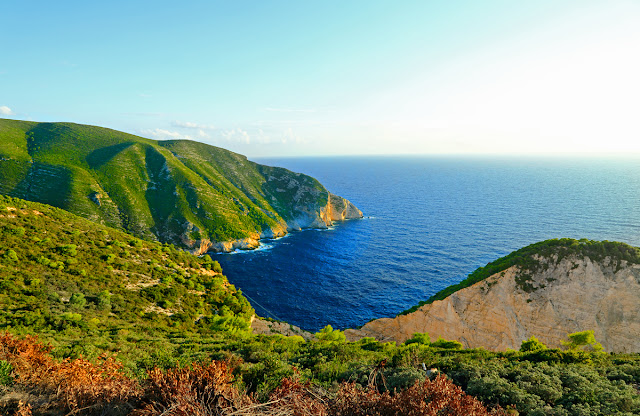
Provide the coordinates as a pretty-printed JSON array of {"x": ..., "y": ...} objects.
[{"x": 289, "y": 78}]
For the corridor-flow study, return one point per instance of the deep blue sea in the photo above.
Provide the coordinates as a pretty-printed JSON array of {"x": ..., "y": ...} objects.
[{"x": 429, "y": 222}]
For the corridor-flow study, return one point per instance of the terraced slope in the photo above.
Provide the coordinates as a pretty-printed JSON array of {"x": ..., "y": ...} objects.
[{"x": 190, "y": 194}]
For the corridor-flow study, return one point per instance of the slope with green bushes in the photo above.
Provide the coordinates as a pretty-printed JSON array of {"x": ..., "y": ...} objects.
[{"x": 87, "y": 287}]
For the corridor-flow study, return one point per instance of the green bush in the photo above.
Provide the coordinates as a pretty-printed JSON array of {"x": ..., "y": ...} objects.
[{"x": 6, "y": 379}]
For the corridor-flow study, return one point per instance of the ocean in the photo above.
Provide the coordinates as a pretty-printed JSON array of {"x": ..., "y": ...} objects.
[{"x": 429, "y": 222}]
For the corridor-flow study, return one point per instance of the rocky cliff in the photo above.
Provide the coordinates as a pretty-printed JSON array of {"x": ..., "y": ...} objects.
[
  {"x": 560, "y": 295},
  {"x": 197, "y": 196}
]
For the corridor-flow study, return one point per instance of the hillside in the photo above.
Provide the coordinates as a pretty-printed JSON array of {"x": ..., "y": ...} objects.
[
  {"x": 87, "y": 287},
  {"x": 545, "y": 290},
  {"x": 162, "y": 315},
  {"x": 182, "y": 192}
]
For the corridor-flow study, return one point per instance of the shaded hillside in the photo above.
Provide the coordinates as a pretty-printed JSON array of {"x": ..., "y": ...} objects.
[
  {"x": 88, "y": 287},
  {"x": 545, "y": 290},
  {"x": 182, "y": 192}
]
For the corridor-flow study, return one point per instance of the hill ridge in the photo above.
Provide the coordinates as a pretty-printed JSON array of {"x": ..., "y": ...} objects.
[{"x": 191, "y": 194}]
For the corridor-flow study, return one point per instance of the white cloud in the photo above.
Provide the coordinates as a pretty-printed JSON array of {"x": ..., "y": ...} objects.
[
  {"x": 192, "y": 125},
  {"x": 6, "y": 111},
  {"x": 237, "y": 136},
  {"x": 164, "y": 134}
]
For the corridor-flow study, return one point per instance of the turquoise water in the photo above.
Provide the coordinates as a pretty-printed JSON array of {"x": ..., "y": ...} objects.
[{"x": 429, "y": 222}]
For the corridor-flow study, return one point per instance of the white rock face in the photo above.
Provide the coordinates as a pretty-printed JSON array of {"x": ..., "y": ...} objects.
[{"x": 496, "y": 313}]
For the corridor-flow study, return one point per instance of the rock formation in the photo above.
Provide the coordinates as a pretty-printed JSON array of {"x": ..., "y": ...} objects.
[{"x": 567, "y": 295}]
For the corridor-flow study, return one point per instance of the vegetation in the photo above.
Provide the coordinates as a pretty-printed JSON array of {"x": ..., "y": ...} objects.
[
  {"x": 168, "y": 191},
  {"x": 126, "y": 326},
  {"x": 528, "y": 260},
  {"x": 89, "y": 288}
]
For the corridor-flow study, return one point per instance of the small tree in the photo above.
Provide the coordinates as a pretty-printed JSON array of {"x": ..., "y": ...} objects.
[
  {"x": 329, "y": 334},
  {"x": 12, "y": 255},
  {"x": 583, "y": 340},
  {"x": 450, "y": 345},
  {"x": 419, "y": 338},
  {"x": 104, "y": 300},
  {"x": 77, "y": 300},
  {"x": 532, "y": 345}
]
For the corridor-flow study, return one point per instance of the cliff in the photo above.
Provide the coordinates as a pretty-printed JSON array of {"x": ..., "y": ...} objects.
[
  {"x": 559, "y": 294},
  {"x": 197, "y": 196}
]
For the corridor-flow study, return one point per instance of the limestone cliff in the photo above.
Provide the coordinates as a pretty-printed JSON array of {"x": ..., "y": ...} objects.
[{"x": 566, "y": 295}]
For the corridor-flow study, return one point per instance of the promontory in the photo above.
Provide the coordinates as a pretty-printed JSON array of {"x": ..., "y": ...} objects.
[
  {"x": 546, "y": 290},
  {"x": 196, "y": 196}
]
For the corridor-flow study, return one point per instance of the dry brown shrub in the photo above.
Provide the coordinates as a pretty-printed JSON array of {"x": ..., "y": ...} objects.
[
  {"x": 296, "y": 398},
  {"x": 82, "y": 387},
  {"x": 24, "y": 409},
  {"x": 427, "y": 398},
  {"x": 78, "y": 386},
  {"x": 199, "y": 390}
]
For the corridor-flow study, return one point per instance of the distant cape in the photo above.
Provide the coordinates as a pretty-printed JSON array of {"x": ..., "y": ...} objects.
[{"x": 199, "y": 197}]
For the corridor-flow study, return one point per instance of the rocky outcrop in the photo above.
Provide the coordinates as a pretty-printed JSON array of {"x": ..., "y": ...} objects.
[
  {"x": 268, "y": 327},
  {"x": 566, "y": 296},
  {"x": 312, "y": 216},
  {"x": 340, "y": 209}
]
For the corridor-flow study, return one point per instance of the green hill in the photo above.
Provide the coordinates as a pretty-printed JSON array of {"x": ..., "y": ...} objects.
[
  {"x": 89, "y": 287},
  {"x": 181, "y": 192}
]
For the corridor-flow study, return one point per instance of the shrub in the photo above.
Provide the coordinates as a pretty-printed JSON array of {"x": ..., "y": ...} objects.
[
  {"x": 330, "y": 335},
  {"x": 77, "y": 300},
  {"x": 532, "y": 345},
  {"x": 584, "y": 340},
  {"x": 446, "y": 344},
  {"x": 11, "y": 255},
  {"x": 437, "y": 397},
  {"x": 419, "y": 338},
  {"x": 6, "y": 379}
]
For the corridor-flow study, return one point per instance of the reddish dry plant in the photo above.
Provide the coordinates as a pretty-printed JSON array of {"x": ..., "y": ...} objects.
[
  {"x": 296, "y": 398},
  {"x": 24, "y": 409},
  {"x": 199, "y": 390},
  {"x": 81, "y": 387},
  {"x": 427, "y": 398},
  {"x": 77, "y": 384}
]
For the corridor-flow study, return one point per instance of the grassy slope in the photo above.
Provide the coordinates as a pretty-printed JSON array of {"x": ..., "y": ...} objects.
[
  {"x": 89, "y": 288},
  {"x": 526, "y": 259},
  {"x": 163, "y": 191}
]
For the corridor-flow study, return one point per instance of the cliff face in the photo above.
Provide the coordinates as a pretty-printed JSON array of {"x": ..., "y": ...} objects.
[
  {"x": 197, "y": 196},
  {"x": 570, "y": 295}
]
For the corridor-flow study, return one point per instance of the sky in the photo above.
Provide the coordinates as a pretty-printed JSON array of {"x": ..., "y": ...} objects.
[{"x": 310, "y": 78}]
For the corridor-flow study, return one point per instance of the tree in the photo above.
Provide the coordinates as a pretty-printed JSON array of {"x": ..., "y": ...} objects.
[
  {"x": 583, "y": 340},
  {"x": 532, "y": 345},
  {"x": 77, "y": 300},
  {"x": 12, "y": 255},
  {"x": 329, "y": 334},
  {"x": 419, "y": 338}
]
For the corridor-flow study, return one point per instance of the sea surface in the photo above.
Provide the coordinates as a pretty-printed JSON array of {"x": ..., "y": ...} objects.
[{"x": 429, "y": 222}]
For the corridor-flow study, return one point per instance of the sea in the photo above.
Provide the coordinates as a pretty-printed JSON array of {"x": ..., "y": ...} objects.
[{"x": 428, "y": 222}]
